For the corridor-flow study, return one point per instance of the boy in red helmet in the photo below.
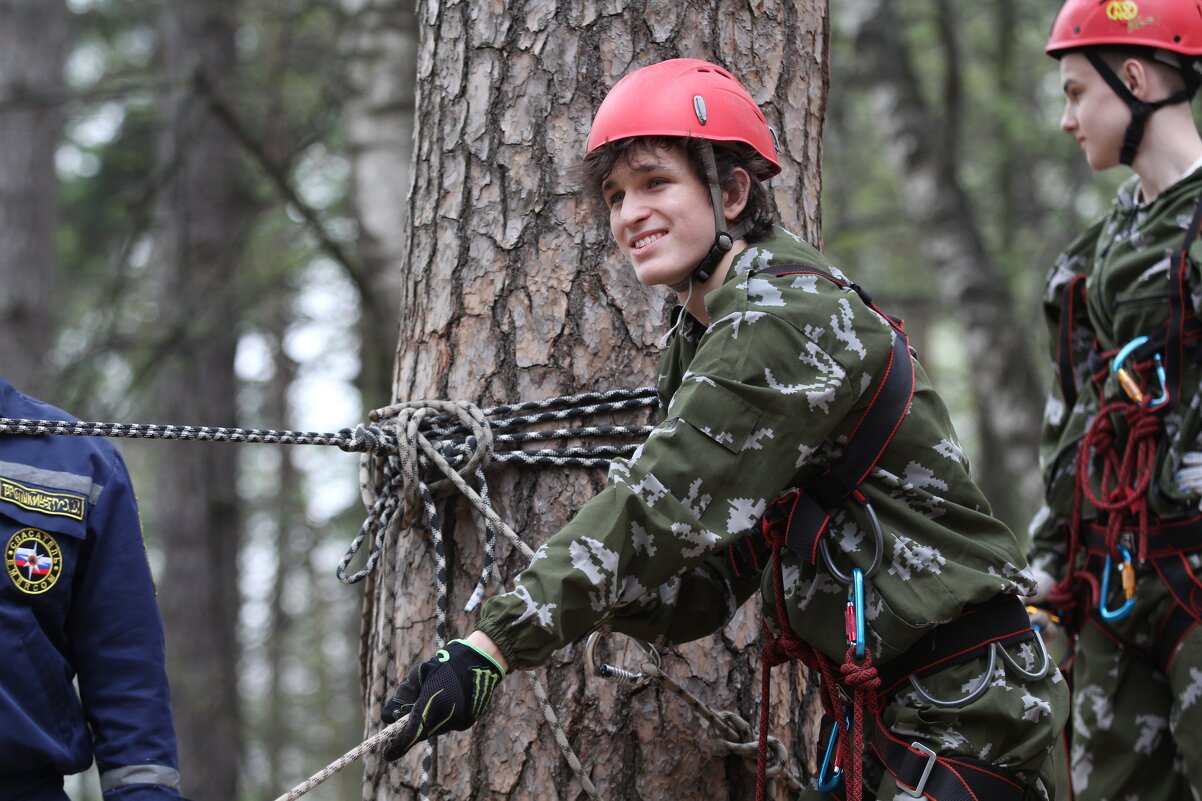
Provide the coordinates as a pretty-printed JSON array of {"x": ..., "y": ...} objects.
[
  {"x": 804, "y": 452},
  {"x": 1118, "y": 545}
]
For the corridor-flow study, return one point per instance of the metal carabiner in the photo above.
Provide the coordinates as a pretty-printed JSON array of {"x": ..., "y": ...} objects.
[
  {"x": 1127, "y": 380},
  {"x": 1128, "y": 573},
  {"x": 974, "y": 694},
  {"x": 1023, "y": 672},
  {"x": 854, "y": 616},
  {"x": 878, "y": 544},
  {"x": 606, "y": 671},
  {"x": 831, "y": 773}
]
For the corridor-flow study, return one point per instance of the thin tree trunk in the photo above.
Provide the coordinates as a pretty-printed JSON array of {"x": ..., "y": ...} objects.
[
  {"x": 511, "y": 291},
  {"x": 380, "y": 46},
  {"x": 970, "y": 283},
  {"x": 200, "y": 215},
  {"x": 34, "y": 35}
]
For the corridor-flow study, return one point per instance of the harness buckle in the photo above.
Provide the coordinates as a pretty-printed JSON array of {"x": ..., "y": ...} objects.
[
  {"x": 920, "y": 788},
  {"x": 1127, "y": 379}
]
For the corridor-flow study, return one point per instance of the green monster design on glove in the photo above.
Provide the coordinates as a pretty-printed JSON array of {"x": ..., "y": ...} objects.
[{"x": 447, "y": 693}]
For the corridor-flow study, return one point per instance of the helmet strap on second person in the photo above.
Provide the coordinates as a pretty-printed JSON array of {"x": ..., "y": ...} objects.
[{"x": 1140, "y": 110}]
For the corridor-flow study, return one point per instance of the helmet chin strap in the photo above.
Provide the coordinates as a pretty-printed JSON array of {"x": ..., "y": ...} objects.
[
  {"x": 724, "y": 239},
  {"x": 1140, "y": 111}
]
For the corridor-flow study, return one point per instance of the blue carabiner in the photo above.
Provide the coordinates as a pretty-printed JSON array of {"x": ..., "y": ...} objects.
[
  {"x": 830, "y": 774},
  {"x": 1111, "y": 615},
  {"x": 1128, "y": 383},
  {"x": 855, "y": 598}
]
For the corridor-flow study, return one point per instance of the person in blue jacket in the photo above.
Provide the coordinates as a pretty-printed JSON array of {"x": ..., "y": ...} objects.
[{"x": 77, "y": 602}]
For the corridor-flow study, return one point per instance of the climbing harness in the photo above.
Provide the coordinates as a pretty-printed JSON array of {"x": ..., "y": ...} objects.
[
  {"x": 799, "y": 519},
  {"x": 1148, "y": 371}
]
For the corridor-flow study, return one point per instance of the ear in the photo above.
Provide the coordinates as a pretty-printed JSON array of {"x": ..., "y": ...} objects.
[
  {"x": 1135, "y": 74},
  {"x": 734, "y": 199}
]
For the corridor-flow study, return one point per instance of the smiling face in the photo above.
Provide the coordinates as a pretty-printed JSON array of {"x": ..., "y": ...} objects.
[
  {"x": 1093, "y": 114},
  {"x": 659, "y": 214}
]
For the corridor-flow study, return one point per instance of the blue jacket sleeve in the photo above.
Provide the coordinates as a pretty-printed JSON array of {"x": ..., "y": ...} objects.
[{"x": 116, "y": 637}]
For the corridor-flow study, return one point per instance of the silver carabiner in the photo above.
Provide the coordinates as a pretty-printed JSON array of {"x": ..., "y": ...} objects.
[
  {"x": 1023, "y": 673},
  {"x": 878, "y": 543},
  {"x": 607, "y": 671},
  {"x": 974, "y": 694}
]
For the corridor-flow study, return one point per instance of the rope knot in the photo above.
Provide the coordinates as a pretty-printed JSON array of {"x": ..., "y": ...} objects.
[
  {"x": 365, "y": 439},
  {"x": 860, "y": 675}
]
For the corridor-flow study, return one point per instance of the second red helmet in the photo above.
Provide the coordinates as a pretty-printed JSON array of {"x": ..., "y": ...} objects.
[
  {"x": 683, "y": 97},
  {"x": 1173, "y": 25}
]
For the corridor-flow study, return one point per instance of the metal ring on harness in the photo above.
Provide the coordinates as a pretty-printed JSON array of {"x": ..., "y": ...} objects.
[
  {"x": 1128, "y": 382},
  {"x": 879, "y": 545},
  {"x": 1022, "y": 672},
  {"x": 1111, "y": 615},
  {"x": 606, "y": 671},
  {"x": 974, "y": 694}
]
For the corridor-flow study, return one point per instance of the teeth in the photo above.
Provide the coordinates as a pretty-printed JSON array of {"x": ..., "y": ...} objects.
[{"x": 647, "y": 240}]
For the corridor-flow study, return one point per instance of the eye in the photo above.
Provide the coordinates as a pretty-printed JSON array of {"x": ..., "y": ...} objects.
[{"x": 613, "y": 198}]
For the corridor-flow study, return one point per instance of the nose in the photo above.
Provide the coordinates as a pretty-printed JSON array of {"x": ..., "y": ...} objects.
[
  {"x": 632, "y": 209},
  {"x": 1068, "y": 120}
]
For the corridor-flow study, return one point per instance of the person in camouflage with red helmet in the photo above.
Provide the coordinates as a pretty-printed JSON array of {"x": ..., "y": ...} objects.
[
  {"x": 778, "y": 390},
  {"x": 1117, "y": 548}
]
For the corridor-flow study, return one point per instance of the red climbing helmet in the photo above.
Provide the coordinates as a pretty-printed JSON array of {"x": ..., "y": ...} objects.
[
  {"x": 1173, "y": 25},
  {"x": 683, "y": 97}
]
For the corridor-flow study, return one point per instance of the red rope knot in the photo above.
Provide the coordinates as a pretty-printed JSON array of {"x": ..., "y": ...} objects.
[
  {"x": 783, "y": 648},
  {"x": 859, "y": 675}
]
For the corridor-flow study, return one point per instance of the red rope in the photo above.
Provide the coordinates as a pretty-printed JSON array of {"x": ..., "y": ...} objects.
[
  {"x": 1122, "y": 487},
  {"x": 787, "y": 646}
]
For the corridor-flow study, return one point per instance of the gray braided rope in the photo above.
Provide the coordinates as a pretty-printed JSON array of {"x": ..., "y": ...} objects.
[
  {"x": 405, "y": 422},
  {"x": 736, "y": 733},
  {"x": 370, "y": 744}
]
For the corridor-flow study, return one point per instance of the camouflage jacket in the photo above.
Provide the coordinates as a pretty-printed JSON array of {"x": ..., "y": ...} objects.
[
  {"x": 1125, "y": 258},
  {"x": 756, "y": 402}
]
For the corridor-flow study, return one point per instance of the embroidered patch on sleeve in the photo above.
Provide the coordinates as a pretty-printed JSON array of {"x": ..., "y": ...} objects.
[
  {"x": 33, "y": 560},
  {"x": 63, "y": 504}
]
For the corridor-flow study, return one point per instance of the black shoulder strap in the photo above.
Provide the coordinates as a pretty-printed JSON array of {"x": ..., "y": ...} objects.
[
  {"x": 1074, "y": 301},
  {"x": 813, "y": 505},
  {"x": 1180, "y": 312}
]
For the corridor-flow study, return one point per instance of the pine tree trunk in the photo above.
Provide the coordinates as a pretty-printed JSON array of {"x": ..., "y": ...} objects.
[
  {"x": 34, "y": 35},
  {"x": 1008, "y": 390},
  {"x": 201, "y": 213},
  {"x": 512, "y": 291},
  {"x": 380, "y": 46}
]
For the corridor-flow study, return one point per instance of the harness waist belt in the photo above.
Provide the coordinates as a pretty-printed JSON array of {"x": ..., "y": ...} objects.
[
  {"x": 1002, "y": 619},
  {"x": 943, "y": 778},
  {"x": 1165, "y": 537}
]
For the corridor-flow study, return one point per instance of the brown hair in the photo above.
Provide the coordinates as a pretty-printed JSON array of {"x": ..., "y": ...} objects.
[{"x": 760, "y": 210}]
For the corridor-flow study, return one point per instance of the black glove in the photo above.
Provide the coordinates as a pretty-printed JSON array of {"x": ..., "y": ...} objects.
[{"x": 446, "y": 693}]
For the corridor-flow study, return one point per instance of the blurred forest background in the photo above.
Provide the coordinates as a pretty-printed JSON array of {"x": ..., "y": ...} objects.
[{"x": 259, "y": 138}]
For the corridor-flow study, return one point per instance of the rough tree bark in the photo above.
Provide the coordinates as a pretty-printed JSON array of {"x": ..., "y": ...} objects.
[
  {"x": 511, "y": 291},
  {"x": 34, "y": 35},
  {"x": 1009, "y": 390},
  {"x": 201, "y": 213}
]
